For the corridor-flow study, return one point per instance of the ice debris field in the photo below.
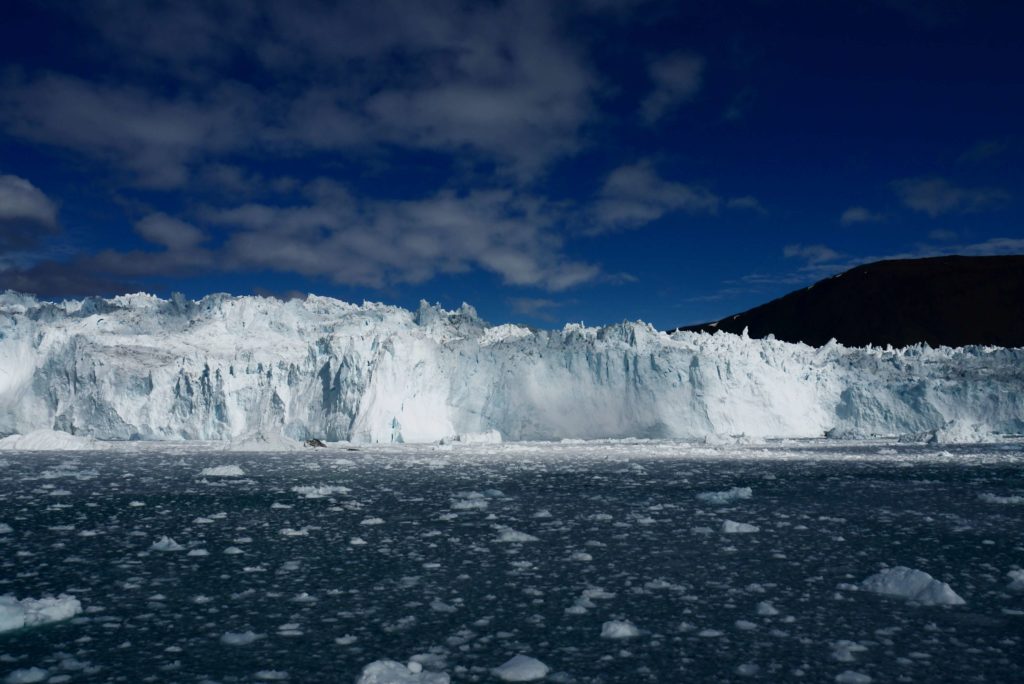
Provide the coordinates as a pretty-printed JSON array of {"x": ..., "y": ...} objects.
[{"x": 600, "y": 561}]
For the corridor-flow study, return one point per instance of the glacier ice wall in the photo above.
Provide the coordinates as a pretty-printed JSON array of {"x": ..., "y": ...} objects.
[{"x": 139, "y": 367}]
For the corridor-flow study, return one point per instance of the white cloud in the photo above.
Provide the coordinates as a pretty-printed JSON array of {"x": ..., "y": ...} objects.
[
  {"x": 635, "y": 195},
  {"x": 859, "y": 215},
  {"x": 500, "y": 80},
  {"x": 154, "y": 137},
  {"x": 380, "y": 243},
  {"x": 943, "y": 235},
  {"x": 812, "y": 254},
  {"x": 535, "y": 307},
  {"x": 747, "y": 202},
  {"x": 936, "y": 196},
  {"x": 26, "y": 213},
  {"x": 20, "y": 200},
  {"x": 676, "y": 79},
  {"x": 169, "y": 232}
]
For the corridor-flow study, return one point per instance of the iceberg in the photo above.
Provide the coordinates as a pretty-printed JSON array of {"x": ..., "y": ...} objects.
[
  {"x": 29, "y": 612},
  {"x": 913, "y": 585},
  {"x": 228, "y": 368}
]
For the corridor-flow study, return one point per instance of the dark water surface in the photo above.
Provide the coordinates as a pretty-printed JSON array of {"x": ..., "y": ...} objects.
[{"x": 416, "y": 558}]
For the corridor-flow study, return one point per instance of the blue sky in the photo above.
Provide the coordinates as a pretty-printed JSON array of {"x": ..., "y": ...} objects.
[{"x": 597, "y": 160}]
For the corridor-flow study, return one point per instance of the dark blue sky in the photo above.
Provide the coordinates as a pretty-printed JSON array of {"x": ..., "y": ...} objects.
[{"x": 544, "y": 161}]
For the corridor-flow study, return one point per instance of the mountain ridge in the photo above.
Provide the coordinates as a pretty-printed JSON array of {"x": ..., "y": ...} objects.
[{"x": 951, "y": 301}]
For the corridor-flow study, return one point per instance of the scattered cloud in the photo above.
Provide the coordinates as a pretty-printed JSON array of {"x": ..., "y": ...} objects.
[
  {"x": 676, "y": 79},
  {"x": 495, "y": 80},
  {"x": 992, "y": 247},
  {"x": 27, "y": 215},
  {"x": 812, "y": 254},
  {"x": 376, "y": 244},
  {"x": 936, "y": 196},
  {"x": 169, "y": 232},
  {"x": 740, "y": 104},
  {"x": 943, "y": 235},
  {"x": 635, "y": 195},
  {"x": 859, "y": 215},
  {"x": 983, "y": 151},
  {"x": 153, "y": 137},
  {"x": 535, "y": 307},
  {"x": 747, "y": 202}
]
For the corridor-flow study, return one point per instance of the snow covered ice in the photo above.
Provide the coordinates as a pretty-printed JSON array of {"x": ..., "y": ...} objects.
[
  {"x": 438, "y": 591},
  {"x": 262, "y": 374},
  {"x": 15, "y": 614},
  {"x": 521, "y": 668},
  {"x": 915, "y": 585}
]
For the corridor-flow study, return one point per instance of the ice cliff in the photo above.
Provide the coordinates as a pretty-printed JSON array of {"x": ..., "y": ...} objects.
[{"x": 139, "y": 367}]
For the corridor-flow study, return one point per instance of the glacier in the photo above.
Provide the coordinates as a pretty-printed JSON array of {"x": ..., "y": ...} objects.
[{"x": 138, "y": 367}]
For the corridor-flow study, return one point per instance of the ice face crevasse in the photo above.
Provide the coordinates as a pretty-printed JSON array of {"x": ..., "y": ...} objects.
[{"x": 224, "y": 367}]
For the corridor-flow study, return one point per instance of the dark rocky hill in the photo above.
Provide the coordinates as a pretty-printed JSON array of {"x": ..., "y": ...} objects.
[{"x": 953, "y": 301}]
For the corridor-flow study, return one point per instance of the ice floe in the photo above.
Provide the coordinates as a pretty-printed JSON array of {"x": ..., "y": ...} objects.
[
  {"x": 392, "y": 672},
  {"x": 521, "y": 668},
  {"x": 913, "y": 585},
  {"x": 29, "y": 612},
  {"x": 619, "y": 629},
  {"x": 726, "y": 497},
  {"x": 223, "y": 471}
]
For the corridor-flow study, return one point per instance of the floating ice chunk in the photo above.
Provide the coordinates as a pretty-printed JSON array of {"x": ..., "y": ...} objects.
[
  {"x": 488, "y": 437},
  {"x": 619, "y": 629},
  {"x": 851, "y": 677},
  {"x": 48, "y": 440},
  {"x": 271, "y": 675},
  {"x": 468, "y": 501},
  {"x": 439, "y": 606},
  {"x": 372, "y": 521},
  {"x": 508, "y": 535},
  {"x": 391, "y": 672},
  {"x": 223, "y": 471},
  {"x": 961, "y": 432},
  {"x": 728, "y": 496},
  {"x": 346, "y": 640},
  {"x": 15, "y": 614},
  {"x": 5, "y": 528},
  {"x": 911, "y": 584},
  {"x": 1016, "y": 580},
  {"x": 165, "y": 543},
  {"x": 733, "y": 527},
  {"x": 320, "y": 491},
  {"x": 844, "y": 649},
  {"x": 28, "y": 675},
  {"x": 996, "y": 499},
  {"x": 747, "y": 669},
  {"x": 197, "y": 553},
  {"x": 239, "y": 638},
  {"x": 521, "y": 668},
  {"x": 766, "y": 609}
]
